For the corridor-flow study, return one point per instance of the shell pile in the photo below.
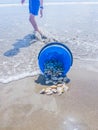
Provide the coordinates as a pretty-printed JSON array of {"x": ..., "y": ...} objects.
[
  {"x": 53, "y": 72},
  {"x": 55, "y": 89}
]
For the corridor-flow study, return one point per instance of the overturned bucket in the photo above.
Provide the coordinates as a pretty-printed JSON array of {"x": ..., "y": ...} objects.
[{"x": 55, "y": 51}]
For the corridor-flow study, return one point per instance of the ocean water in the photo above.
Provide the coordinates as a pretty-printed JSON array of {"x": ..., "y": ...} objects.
[
  {"x": 45, "y": 1},
  {"x": 18, "y": 1},
  {"x": 74, "y": 24}
]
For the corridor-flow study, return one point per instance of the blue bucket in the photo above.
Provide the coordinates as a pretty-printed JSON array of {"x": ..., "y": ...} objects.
[{"x": 57, "y": 51}]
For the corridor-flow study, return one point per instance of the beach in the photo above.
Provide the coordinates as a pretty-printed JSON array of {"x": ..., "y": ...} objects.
[
  {"x": 22, "y": 106},
  {"x": 76, "y": 28}
]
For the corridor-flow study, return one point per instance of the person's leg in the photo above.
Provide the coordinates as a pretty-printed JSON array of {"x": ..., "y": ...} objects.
[{"x": 34, "y": 24}]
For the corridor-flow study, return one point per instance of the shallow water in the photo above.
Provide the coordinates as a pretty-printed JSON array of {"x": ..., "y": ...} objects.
[
  {"x": 74, "y": 25},
  {"x": 17, "y": 1}
]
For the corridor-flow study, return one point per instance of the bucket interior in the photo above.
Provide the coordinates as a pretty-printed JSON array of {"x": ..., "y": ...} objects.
[{"x": 57, "y": 52}]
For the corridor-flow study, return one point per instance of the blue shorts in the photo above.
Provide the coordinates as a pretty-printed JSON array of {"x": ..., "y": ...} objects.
[{"x": 34, "y": 6}]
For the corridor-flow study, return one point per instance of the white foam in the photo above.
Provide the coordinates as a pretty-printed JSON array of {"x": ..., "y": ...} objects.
[
  {"x": 20, "y": 76},
  {"x": 12, "y": 5},
  {"x": 71, "y": 3},
  {"x": 52, "y": 3}
]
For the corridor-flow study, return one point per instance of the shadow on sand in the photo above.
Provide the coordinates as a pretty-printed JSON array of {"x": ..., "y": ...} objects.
[
  {"x": 40, "y": 80},
  {"x": 20, "y": 43}
]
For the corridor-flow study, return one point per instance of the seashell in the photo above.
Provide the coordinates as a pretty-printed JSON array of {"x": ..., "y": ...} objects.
[
  {"x": 65, "y": 87},
  {"x": 47, "y": 81},
  {"x": 54, "y": 82},
  {"x": 53, "y": 69},
  {"x": 54, "y": 87},
  {"x": 54, "y": 90},
  {"x": 60, "y": 73},
  {"x": 42, "y": 91},
  {"x": 54, "y": 78},
  {"x": 47, "y": 89},
  {"x": 59, "y": 85},
  {"x": 60, "y": 81},
  {"x": 49, "y": 92},
  {"x": 61, "y": 78},
  {"x": 66, "y": 80},
  {"x": 60, "y": 90}
]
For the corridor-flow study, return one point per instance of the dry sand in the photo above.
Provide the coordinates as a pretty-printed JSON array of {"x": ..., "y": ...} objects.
[{"x": 23, "y": 108}]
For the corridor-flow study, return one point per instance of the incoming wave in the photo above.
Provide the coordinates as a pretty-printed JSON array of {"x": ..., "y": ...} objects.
[{"x": 51, "y": 3}]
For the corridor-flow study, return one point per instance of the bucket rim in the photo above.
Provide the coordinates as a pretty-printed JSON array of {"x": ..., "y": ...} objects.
[{"x": 57, "y": 43}]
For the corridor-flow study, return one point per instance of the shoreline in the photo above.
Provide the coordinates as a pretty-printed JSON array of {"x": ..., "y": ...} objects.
[
  {"x": 18, "y": 56},
  {"x": 77, "y": 64},
  {"x": 22, "y": 105}
]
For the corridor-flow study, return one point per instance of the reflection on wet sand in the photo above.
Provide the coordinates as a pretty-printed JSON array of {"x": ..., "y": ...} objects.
[{"x": 23, "y": 107}]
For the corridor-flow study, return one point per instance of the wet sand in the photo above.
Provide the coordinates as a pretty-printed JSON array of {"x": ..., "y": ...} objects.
[
  {"x": 21, "y": 105},
  {"x": 23, "y": 108}
]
